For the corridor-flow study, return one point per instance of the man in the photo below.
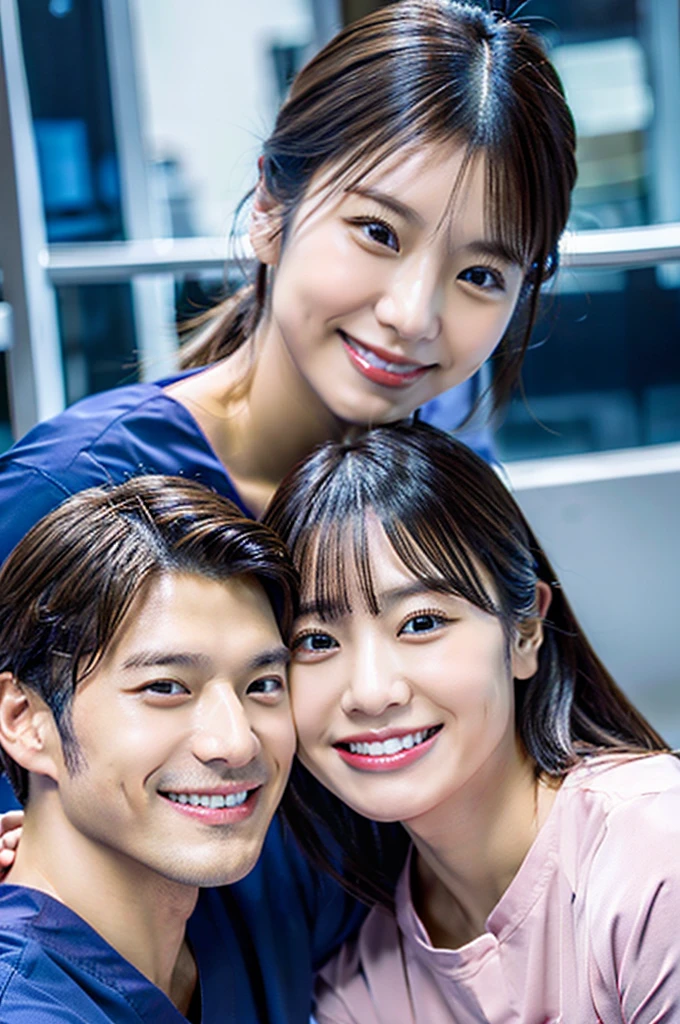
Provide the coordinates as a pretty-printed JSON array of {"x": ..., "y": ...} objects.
[{"x": 145, "y": 727}]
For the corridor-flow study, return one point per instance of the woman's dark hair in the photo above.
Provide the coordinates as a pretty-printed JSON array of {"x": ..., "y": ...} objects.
[
  {"x": 68, "y": 585},
  {"x": 454, "y": 525},
  {"x": 415, "y": 73}
]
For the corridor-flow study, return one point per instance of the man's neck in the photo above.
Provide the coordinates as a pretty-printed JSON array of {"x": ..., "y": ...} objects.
[{"x": 138, "y": 912}]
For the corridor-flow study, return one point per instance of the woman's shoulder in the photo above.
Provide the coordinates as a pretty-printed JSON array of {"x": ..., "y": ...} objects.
[
  {"x": 615, "y": 813},
  {"x": 619, "y": 777},
  {"x": 626, "y": 891}
]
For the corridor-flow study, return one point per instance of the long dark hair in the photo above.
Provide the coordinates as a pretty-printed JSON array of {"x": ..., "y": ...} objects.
[
  {"x": 68, "y": 585},
  {"x": 414, "y": 73},
  {"x": 454, "y": 525}
]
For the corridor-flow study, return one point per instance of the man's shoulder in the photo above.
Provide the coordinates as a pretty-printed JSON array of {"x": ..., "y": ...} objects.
[
  {"x": 34, "y": 988},
  {"x": 55, "y": 968}
]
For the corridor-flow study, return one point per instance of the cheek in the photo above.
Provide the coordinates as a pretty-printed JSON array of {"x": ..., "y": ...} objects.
[
  {"x": 320, "y": 276},
  {"x": 312, "y": 704},
  {"x": 283, "y": 741}
]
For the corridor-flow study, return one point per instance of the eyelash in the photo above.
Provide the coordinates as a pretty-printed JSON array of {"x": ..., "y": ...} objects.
[
  {"x": 148, "y": 688},
  {"x": 296, "y": 645},
  {"x": 427, "y": 613},
  {"x": 498, "y": 278},
  {"x": 272, "y": 694},
  {"x": 365, "y": 222}
]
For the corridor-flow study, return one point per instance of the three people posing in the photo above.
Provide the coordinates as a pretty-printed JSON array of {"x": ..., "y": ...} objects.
[{"x": 409, "y": 206}]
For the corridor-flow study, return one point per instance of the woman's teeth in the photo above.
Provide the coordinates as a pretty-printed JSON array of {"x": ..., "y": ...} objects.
[
  {"x": 392, "y": 746},
  {"x": 202, "y": 800},
  {"x": 371, "y": 357}
]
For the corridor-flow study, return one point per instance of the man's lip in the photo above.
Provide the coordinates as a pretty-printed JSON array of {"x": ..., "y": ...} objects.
[
  {"x": 386, "y": 354},
  {"x": 380, "y": 735}
]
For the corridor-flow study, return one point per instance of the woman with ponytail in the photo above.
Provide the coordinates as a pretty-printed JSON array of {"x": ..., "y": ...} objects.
[
  {"x": 409, "y": 204},
  {"x": 441, "y": 681}
]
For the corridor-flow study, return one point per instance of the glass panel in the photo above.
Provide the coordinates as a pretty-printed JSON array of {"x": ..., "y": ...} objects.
[
  {"x": 604, "y": 369},
  {"x": 97, "y": 337},
  {"x": 211, "y": 75},
  {"x": 67, "y": 71}
]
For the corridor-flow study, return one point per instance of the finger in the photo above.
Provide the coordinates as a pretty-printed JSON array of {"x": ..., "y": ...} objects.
[
  {"x": 10, "y": 840},
  {"x": 6, "y": 859},
  {"x": 10, "y": 820}
]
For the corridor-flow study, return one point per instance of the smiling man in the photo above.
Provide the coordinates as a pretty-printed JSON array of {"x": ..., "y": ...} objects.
[{"x": 146, "y": 728}]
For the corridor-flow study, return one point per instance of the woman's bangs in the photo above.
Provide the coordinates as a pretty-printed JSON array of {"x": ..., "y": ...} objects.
[{"x": 335, "y": 563}]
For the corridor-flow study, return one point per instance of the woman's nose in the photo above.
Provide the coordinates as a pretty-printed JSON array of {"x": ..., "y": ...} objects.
[
  {"x": 375, "y": 684},
  {"x": 411, "y": 301}
]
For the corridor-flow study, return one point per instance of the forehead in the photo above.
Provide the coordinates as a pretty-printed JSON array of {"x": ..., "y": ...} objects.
[
  {"x": 353, "y": 565},
  {"x": 232, "y": 617},
  {"x": 433, "y": 180}
]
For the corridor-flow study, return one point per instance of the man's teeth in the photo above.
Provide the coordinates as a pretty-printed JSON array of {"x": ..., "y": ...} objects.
[
  {"x": 202, "y": 800},
  {"x": 375, "y": 360},
  {"x": 392, "y": 746}
]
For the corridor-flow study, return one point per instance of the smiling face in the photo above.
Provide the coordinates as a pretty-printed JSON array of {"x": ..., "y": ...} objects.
[
  {"x": 185, "y": 734},
  {"x": 388, "y": 294},
  {"x": 400, "y": 712}
]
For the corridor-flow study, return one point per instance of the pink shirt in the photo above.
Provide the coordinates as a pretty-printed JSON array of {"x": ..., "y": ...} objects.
[{"x": 588, "y": 930}]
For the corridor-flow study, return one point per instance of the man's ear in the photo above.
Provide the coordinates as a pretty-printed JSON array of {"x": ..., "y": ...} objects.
[
  {"x": 265, "y": 227},
  {"x": 527, "y": 643},
  {"x": 27, "y": 729}
]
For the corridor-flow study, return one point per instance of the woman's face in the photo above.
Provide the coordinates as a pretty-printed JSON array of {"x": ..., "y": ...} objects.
[
  {"x": 387, "y": 295},
  {"x": 401, "y": 712}
]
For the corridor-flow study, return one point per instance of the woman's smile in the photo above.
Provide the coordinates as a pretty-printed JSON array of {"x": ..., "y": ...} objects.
[
  {"x": 388, "y": 749},
  {"x": 382, "y": 367},
  {"x": 385, "y": 295},
  {"x": 400, "y": 710}
]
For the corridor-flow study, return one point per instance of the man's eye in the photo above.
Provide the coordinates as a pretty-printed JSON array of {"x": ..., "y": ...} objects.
[
  {"x": 426, "y": 622},
  {"x": 485, "y": 278},
  {"x": 313, "y": 643},
  {"x": 166, "y": 688},
  {"x": 270, "y": 686}
]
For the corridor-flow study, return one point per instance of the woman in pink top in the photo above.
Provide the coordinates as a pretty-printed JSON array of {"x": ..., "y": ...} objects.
[{"x": 440, "y": 680}]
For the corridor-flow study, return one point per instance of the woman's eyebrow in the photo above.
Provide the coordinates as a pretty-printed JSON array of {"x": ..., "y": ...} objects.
[
  {"x": 386, "y": 599},
  {"x": 390, "y": 202},
  {"x": 494, "y": 248}
]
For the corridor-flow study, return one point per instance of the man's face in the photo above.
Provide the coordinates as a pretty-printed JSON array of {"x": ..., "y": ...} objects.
[{"x": 185, "y": 734}]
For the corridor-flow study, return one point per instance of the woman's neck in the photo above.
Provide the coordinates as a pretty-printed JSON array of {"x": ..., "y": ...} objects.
[
  {"x": 259, "y": 415},
  {"x": 468, "y": 853}
]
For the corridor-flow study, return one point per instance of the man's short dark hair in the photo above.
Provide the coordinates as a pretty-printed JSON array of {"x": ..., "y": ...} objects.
[{"x": 67, "y": 586}]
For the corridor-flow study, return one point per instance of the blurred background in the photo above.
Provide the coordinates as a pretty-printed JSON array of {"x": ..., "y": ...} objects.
[{"x": 130, "y": 131}]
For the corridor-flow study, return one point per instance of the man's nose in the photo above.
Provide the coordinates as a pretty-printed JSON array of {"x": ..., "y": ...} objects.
[{"x": 222, "y": 730}]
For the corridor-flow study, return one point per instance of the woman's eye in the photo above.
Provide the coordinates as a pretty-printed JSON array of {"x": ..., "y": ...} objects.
[
  {"x": 314, "y": 643},
  {"x": 486, "y": 278},
  {"x": 420, "y": 625},
  {"x": 166, "y": 688},
  {"x": 270, "y": 686},
  {"x": 380, "y": 232}
]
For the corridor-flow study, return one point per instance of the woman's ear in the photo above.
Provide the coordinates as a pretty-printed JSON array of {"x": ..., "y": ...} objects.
[
  {"x": 529, "y": 637},
  {"x": 265, "y": 227},
  {"x": 27, "y": 729}
]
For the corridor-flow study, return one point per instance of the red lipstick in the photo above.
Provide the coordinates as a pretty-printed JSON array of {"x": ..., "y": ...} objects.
[
  {"x": 391, "y": 749},
  {"x": 380, "y": 366}
]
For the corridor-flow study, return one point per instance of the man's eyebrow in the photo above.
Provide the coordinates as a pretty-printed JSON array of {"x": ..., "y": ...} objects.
[
  {"x": 274, "y": 656},
  {"x": 187, "y": 659},
  {"x": 384, "y": 199},
  {"x": 165, "y": 659}
]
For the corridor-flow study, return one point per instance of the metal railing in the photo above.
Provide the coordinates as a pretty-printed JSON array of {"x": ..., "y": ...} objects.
[{"x": 109, "y": 262}]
